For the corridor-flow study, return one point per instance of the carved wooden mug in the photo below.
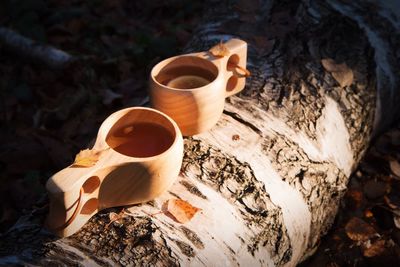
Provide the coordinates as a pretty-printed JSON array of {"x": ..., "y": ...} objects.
[
  {"x": 192, "y": 88},
  {"x": 140, "y": 155}
]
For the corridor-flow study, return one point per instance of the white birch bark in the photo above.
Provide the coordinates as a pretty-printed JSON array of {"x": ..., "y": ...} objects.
[{"x": 269, "y": 196}]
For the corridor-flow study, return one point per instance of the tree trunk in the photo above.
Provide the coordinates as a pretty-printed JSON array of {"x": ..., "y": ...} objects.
[
  {"x": 270, "y": 175},
  {"x": 28, "y": 49}
]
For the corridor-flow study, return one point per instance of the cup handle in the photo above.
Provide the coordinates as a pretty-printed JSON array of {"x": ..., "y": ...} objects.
[
  {"x": 235, "y": 68},
  {"x": 72, "y": 203}
]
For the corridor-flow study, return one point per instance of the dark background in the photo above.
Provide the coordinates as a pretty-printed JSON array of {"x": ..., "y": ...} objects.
[{"x": 48, "y": 115}]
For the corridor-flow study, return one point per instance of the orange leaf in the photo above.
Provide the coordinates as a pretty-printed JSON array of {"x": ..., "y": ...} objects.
[
  {"x": 359, "y": 230},
  {"x": 219, "y": 50},
  {"x": 238, "y": 70},
  {"x": 87, "y": 158},
  {"x": 395, "y": 167},
  {"x": 181, "y": 210},
  {"x": 374, "y": 249}
]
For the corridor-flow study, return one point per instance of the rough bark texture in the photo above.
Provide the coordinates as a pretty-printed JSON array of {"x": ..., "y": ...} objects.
[{"x": 268, "y": 194}]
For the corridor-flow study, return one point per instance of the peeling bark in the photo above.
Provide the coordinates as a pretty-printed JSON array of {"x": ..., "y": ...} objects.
[{"x": 269, "y": 194}]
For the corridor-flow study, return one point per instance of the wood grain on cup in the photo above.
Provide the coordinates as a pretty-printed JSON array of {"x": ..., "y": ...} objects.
[
  {"x": 141, "y": 151},
  {"x": 192, "y": 88}
]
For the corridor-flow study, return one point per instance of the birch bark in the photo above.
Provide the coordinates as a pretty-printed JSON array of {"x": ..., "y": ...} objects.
[{"x": 270, "y": 175}]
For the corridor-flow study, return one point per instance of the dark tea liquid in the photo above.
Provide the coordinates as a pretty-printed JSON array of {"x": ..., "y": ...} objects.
[
  {"x": 141, "y": 140},
  {"x": 185, "y": 77}
]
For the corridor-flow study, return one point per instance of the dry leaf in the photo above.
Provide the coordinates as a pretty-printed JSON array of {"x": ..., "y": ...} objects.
[
  {"x": 344, "y": 78},
  {"x": 368, "y": 214},
  {"x": 331, "y": 66},
  {"x": 181, "y": 210},
  {"x": 114, "y": 216},
  {"x": 341, "y": 72},
  {"x": 374, "y": 189},
  {"x": 359, "y": 230},
  {"x": 392, "y": 200},
  {"x": 238, "y": 70},
  {"x": 395, "y": 167},
  {"x": 87, "y": 158},
  {"x": 219, "y": 50},
  {"x": 374, "y": 249},
  {"x": 396, "y": 220}
]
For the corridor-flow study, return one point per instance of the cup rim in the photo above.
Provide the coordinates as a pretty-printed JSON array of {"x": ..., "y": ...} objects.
[
  {"x": 166, "y": 61},
  {"x": 123, "y": 112}
]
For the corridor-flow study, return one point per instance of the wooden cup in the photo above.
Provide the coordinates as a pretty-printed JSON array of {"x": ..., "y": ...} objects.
[
  {"x": 141, "y": 151},
  {"x": 192, "y": 88}
]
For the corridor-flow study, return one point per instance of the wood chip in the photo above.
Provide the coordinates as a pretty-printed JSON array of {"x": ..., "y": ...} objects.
[{"x": 235, "y": 137}]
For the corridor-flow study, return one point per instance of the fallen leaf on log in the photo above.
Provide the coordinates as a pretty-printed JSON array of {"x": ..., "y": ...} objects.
[
  {"x": 219, "y": 50},
  {"x": 87, "y": 158},
  {"x": 331, "y": 66},
  {"x": 239, "y": 71},
  {"x": 343, "y": 78},
  {"x": 392, "y": 199},
  {"x": 181, "y": 211},
  {"x": 374, "y": 249},
  {"x": 359, "y": 230},
  {"x": 116, "y": 217},
  {"x": 341, "y": 72},
  {"x": 395, "y": 167}
]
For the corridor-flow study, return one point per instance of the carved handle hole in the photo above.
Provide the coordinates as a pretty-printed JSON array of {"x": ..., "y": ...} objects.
[
  {"x": 90, "y": 206},
  {"x": 231, "y": 84},
  {"x": 91, "y": 184},
  {"x": 233, "y": 61}
]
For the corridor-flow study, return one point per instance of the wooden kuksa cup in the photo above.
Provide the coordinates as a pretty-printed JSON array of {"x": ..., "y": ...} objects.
[
  {"x": 192, "y": 88},
  {"x": 141, "y": 151}
]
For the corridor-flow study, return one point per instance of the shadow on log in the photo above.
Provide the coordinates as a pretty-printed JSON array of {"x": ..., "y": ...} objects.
[{"x": 270, "y": 175}]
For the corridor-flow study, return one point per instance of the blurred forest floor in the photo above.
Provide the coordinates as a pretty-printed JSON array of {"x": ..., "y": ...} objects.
[{"x": 48, "y": 115}]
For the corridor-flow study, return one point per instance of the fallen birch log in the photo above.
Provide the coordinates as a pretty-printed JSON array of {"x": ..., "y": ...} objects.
[
  {"x": 29, "y": 49},
  {"x": 270, "y": 175}
]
